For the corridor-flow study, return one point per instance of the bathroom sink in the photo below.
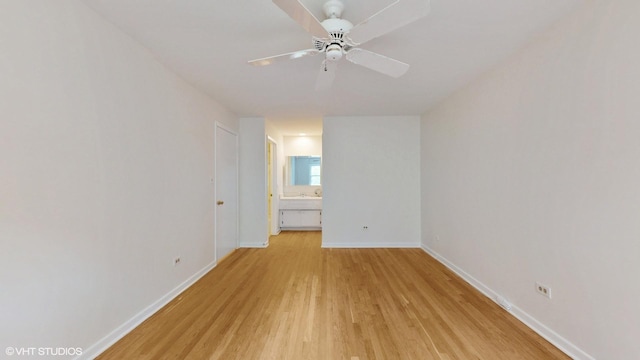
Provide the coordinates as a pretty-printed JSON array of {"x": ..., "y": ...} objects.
[{"x": 301, "y": 202}]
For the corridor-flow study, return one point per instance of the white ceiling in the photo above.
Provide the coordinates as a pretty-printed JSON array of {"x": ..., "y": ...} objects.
[{"x": 209, "y": 42}]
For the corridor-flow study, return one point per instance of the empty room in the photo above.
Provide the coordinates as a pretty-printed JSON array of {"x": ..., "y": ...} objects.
[{"x": 319, "y": 179}]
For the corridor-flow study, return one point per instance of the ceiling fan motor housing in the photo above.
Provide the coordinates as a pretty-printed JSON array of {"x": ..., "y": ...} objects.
[
  {"x": 337, "y": 25},
  {"x": 336, "y": 28}
]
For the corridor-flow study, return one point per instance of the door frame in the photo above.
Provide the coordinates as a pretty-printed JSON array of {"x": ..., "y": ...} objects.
[{"x": 222, "y": 127}]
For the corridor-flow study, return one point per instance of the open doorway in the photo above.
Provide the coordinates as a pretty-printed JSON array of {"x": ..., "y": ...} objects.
[{"x": 292, "y": 184}]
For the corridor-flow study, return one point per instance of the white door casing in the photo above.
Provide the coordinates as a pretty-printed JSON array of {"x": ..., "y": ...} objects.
[{"x": 272, "y": 187}]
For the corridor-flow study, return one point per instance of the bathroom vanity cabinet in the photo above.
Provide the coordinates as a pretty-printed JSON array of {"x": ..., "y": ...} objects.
[
  {"x": 300, "y": 213},
  {"x": 301, "y": 219}
]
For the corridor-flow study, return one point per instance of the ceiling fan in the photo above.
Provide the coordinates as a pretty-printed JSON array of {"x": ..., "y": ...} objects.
[{"x": 336, "y": 37}]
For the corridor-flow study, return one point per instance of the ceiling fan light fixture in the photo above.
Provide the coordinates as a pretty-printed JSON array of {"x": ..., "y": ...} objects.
[{"x": 334, "y": 52}]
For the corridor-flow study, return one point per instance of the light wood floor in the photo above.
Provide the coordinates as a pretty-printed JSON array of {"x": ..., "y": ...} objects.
[{"x": 295, "y": 300}]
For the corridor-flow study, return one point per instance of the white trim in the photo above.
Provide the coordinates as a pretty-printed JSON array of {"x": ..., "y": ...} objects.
[
  {"x": 274, "y": 227},
  {"x": 554, "y": 338},
  {"x": 255, "y": 245},
  {"x": 301, "y": 228},
  {"x": 368, "y": 245},
  {"x": 98, "y": 348}
]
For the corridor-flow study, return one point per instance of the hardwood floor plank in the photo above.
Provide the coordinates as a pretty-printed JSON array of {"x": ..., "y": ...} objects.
[{"x": 295, "y": 300}]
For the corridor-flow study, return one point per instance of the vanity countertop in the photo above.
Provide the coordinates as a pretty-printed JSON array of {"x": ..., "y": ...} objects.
[
  {"x": 300, "y": 197},
  {"x": 300, "y": 202}
]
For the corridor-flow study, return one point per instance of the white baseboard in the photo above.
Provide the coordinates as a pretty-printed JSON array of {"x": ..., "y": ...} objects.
[
  {"x": 254, "y": 245},
  {"x": 558, "y": 341},
  {"x": 302, "y": 228},
  {"x": 122, "y": 330},
  {"x": 369, "y": 245}
]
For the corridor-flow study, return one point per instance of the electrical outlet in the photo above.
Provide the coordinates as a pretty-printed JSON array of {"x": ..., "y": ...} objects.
[
  {"x": 543, "y": 290},
  {"x": 176, "y": 261},
  {"x": 365, "y": 227}
]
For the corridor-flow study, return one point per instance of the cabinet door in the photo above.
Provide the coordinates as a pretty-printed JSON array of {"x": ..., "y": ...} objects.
[{"x": 300, "y": 218}]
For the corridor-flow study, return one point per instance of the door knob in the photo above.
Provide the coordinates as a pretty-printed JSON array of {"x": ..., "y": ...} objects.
[{"x": 220, "y": 202}]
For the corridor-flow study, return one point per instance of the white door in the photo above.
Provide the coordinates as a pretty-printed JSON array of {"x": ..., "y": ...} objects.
[{"x": 226, "y": 166}]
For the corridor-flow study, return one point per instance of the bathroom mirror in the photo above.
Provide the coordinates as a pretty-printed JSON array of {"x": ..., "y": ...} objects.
[{"x": 303, "y": 170}]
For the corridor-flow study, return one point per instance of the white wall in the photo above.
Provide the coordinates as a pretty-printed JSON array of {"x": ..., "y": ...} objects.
[
  {"x": 302, "y": 145},
  {"x": 254, "y": 231},
  {"x": 531, "y": 174},
  {"x": 105, "y": 166},
  {"x": 371, "y": 177}
]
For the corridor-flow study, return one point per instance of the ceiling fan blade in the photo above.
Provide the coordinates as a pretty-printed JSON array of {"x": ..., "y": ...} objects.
[
  {"x": 392, "y": 17},
  {"x": 288, "y": 56},
  {"x": 298, "y": 12},
  {"x": 377, "y": 62},
  {"x": 326, "y": 75}
]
